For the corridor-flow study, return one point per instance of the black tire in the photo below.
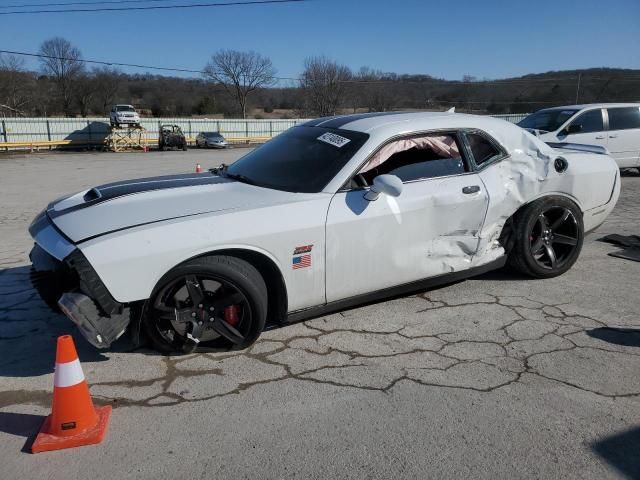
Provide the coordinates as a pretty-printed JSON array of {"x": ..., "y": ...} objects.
[
  {"x": 236, "y": 274},
  {"x": 545, "y": 243},
  {"x": 184, "y": 147}
]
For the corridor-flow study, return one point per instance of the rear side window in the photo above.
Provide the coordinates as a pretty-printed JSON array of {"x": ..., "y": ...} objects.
[
  {"x": 483, "y": 150},
  {"x": 624, "y": 118},
  {"x": 590, "y": 121}
]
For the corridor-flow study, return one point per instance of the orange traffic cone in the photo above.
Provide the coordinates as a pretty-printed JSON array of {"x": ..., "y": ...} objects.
[
  {"x": 73, "y": 421},
  {"x": 198, "y": 168}
]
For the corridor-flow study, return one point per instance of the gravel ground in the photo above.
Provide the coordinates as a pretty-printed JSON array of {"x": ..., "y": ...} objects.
[{"x": 494, "y": 377}]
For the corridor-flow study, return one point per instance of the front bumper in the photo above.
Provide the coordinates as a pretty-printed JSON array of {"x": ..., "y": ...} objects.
[
  {"x": 64, "y": 278},
  {"x": 99, "y": 330}
]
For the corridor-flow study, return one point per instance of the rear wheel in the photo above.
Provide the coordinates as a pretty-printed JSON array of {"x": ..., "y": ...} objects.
[
  {"x": 209, "y": 303},
  {"x": 548, "y": 237}
]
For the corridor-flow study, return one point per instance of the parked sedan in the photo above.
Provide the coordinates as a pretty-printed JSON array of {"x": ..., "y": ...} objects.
[
  {"x": 614, "y": 126},
  {"x": 332, "y": 213},
  {"x": 211, "y": 139}
]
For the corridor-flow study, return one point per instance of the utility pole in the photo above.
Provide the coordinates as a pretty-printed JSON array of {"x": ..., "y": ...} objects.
[{"x": 578, "y": 88}]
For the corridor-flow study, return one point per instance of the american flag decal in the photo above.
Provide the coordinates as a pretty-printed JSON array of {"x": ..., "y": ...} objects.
[{"x": 303, "y": 261}]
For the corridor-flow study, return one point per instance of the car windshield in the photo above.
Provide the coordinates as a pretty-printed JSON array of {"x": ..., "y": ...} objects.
[
  {"x": 302, "y": 159},
  {"x": 125, "y": 108},
  {"x": 211, "y": 134},
  {"x": 548, "y": 120}
]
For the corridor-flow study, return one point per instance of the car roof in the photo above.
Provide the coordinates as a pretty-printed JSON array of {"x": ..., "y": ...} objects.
[
  {"x": 592, "y": 105},
  {"x": 402, "y": 122}
]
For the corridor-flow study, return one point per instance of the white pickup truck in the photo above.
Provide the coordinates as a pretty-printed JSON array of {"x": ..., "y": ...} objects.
[{"x": 124, "y": 115}]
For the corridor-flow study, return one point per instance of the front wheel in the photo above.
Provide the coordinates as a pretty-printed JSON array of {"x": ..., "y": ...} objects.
[
  {"x": 208, "y": 303},
  {"x": 548, "y": 237}
]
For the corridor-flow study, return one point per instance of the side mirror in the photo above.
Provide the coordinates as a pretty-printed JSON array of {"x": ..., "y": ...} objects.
[
  {"x": 387, "y": 184},
  {"x": 573, "y": 128}
]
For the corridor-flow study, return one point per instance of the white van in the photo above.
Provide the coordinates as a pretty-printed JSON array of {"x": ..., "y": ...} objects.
[{"x": 615, "y": 126}]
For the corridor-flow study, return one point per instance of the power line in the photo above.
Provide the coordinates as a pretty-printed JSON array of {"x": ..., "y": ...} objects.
[
  {"x": 152, "y": 7},
  {"x": 119, "y": 64},
  {"x": 25, "y": 5}
]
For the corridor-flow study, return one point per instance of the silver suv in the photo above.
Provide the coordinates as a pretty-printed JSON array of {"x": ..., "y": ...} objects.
[{"x": 124, "y": 115}]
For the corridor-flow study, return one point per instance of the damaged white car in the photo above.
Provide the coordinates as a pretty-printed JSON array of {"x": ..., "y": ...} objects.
[{"x": 329, "y": 214}]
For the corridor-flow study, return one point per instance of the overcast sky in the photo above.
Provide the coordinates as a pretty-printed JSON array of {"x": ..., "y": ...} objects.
[{"x": 450, "y": 39}]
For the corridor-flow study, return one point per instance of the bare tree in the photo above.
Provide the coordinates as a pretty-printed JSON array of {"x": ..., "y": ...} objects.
[
  {"x": 85, "y": 90},
  {"x": 240, "y": 73},
  {"x": 323, "y": 83},
  {"x": 107, "y": 82},
  {"x": 15, "y": 85},
  {"x": 63, "y": 62},
  {"x": 376, "y": 90}
]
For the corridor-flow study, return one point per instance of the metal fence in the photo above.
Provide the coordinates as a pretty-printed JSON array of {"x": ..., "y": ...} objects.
[{"x": 95, "y": 130}]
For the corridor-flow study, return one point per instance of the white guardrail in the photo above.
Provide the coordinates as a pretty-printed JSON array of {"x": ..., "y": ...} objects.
[{"x": 94, "y": 130}]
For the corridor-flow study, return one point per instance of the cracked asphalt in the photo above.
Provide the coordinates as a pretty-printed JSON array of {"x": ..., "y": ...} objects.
[{"x": 494, "y": 377}]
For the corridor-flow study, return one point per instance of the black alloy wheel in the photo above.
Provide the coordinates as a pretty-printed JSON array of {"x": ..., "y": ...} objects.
[
  {"x": 209, "y": 303},
  {"x": 547, "y": 237},
  {"x": 554, "y": 237}
]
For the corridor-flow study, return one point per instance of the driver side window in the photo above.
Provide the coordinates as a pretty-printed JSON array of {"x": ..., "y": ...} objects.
[
  {"x": 589, "y": 122},
  {"x": 416, "y": 158}
]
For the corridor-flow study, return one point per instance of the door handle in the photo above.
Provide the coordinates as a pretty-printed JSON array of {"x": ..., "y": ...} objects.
[
  {"x": 613, "y": 136},
  {"x": 471, "y": 189},
  {"x": 599, "y": 137}
]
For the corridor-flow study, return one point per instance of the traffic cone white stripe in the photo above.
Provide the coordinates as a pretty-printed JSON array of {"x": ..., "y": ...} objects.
[{"x": 68, "y": 374}]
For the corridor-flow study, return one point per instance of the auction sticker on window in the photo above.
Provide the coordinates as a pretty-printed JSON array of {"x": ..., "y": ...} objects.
[{"x": 333, "y": 139}]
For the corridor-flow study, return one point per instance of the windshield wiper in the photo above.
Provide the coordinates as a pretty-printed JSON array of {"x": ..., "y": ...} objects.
[
  {"x": 222, "y": 171},
  {"x": 219, "y": 170},
  {"x": 240, "y": 178}
]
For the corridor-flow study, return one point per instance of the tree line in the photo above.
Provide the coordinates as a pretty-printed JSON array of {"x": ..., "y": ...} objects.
[{"x": 245, "y": 84}]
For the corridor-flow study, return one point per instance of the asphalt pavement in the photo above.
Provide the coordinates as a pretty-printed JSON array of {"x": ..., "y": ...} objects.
[{"x": 495, "y": 377}]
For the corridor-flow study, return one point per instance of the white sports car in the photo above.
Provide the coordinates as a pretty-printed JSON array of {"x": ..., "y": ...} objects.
[{"x": 329, "y": 214}]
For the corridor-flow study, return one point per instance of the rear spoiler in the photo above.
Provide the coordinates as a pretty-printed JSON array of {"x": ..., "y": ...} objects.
[{"x": 579, "y": 147}]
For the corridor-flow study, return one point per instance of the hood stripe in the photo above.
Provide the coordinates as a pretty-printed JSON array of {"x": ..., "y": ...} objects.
[{"x": 109, "y": 191}]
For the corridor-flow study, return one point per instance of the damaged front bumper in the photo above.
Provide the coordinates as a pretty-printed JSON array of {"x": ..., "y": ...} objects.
[
  {"x": 99, "y": 330},
  {"x": 64, "y": 277}
]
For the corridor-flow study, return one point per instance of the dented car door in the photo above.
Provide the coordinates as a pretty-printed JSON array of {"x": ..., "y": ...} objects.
[{"x": 430, "y": 229}]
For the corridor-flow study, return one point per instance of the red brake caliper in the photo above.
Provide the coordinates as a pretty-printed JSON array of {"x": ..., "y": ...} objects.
[{"x": 231, "y": 315}]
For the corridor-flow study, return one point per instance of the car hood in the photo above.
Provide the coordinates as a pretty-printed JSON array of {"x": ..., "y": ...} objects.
[{"x": 121, "y": 205}]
